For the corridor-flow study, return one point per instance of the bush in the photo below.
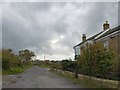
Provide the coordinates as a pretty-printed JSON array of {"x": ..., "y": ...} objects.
[
  {"x": 5, "y": 63},
  {"x": 9, "y": 59},
  {"x": 95, "y": 60},
  {"x": 68, "y": 65}
]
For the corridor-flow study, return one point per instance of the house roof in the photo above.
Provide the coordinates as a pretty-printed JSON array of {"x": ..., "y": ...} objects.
[
  {"x": 109, "y": 32},
  {"x": 102, "y": 34},
  {"x": 89, "y": 39}
]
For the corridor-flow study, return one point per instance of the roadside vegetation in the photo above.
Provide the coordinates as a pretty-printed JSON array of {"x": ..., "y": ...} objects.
[
  {"x": 87, "y": 83},
  {"x": 16, "y": 70},
  {"x": 95, "y": 61},
  {"x": 43, "y": 64},
  {"x": 15, "y": 63},
  {"x": 98, "y": 61}
]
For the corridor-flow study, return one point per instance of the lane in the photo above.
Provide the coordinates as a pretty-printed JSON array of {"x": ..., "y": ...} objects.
[{"x": 37, "y": 77}]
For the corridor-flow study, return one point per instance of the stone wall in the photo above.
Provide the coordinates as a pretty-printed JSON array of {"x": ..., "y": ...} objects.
[
  {"x": 113, "y": 43},
  {"x": 109, "y": 83}
]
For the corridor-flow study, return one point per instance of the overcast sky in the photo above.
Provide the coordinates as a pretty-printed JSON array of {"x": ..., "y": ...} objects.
[{"x": 53, "y": 28}]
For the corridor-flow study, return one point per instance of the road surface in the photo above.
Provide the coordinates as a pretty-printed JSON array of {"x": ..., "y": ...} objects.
[{"x": 37, "y": 77}]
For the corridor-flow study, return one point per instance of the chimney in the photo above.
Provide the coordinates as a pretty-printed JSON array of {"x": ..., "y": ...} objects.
[
  {"x": 106, "y": 26},
  {"x": 83, "y": 37}
]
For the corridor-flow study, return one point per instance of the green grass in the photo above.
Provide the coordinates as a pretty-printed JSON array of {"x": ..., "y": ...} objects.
[
  {"x": 16, "y": 70},
  {"x": 85, "y": 83},
  {"x": 44, "y": 66}
]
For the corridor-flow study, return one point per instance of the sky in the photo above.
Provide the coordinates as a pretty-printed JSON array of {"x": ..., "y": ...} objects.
[{"x": 53, "y": 28}]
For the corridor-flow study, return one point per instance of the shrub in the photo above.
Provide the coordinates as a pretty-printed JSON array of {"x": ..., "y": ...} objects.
[
  {"x": 9, "y": 59},
  {"x": 5, "y": 63},
  {"x": 95, "y": 60}
]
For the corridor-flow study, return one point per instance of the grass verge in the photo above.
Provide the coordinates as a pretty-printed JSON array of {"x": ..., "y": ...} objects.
[
  {"x": 16, "y": 70},
  {"x": 84, "y": 82}
]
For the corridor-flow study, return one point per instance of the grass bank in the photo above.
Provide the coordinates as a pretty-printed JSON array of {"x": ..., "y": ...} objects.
[
  {"x": 84, "y": 82},
  {"x": 16, "y": 70}
]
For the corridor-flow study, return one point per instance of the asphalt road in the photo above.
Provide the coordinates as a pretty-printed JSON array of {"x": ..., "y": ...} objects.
[{"x": 37, "y": 77}]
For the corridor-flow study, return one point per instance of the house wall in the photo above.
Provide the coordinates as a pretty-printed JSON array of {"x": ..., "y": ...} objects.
[
  {"x": 112, "y": 41},
  {"x": 119, "y": 45}
]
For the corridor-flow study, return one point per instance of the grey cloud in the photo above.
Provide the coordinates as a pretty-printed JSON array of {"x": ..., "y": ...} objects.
[
  {"x": 98, "y": 14},
  {"x": 118, "y": 13},
  {"x": 36, "y": 25}
]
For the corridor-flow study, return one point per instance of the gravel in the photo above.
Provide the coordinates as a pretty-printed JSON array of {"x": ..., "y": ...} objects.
[{"x": 36, "y": 77}]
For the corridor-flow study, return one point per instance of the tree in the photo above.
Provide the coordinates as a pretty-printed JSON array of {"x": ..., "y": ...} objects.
[{"x": 26, "y": 55}]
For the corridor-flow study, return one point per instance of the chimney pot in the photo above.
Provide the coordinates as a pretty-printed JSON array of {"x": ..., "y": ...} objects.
[
  {"x": 83, "y": 37},
  {"x": 106, "y": 26}
]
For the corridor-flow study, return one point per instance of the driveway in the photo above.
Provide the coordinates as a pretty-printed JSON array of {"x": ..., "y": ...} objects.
[{"x": 37, "y": 77}]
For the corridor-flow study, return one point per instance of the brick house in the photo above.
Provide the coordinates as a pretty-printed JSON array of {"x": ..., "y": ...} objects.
[{"x": 109, "y": 38}]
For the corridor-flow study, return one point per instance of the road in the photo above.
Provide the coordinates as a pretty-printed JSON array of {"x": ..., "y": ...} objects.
[{"x": 37, "y": 77}]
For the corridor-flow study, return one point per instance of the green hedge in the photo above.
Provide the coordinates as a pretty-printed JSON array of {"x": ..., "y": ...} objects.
[{"x": 95, "y": 60}]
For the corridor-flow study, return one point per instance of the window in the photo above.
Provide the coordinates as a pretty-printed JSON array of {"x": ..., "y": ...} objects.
[
  {"x": 77, "y": 50},
  {"x": 106, "y": 44}
]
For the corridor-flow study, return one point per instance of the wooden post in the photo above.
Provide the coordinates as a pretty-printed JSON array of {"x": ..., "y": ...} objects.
[{"x": 76, "y": 70}]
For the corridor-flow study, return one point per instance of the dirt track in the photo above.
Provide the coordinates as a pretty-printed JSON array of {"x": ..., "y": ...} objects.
[{"x": 37, "y": 77}]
